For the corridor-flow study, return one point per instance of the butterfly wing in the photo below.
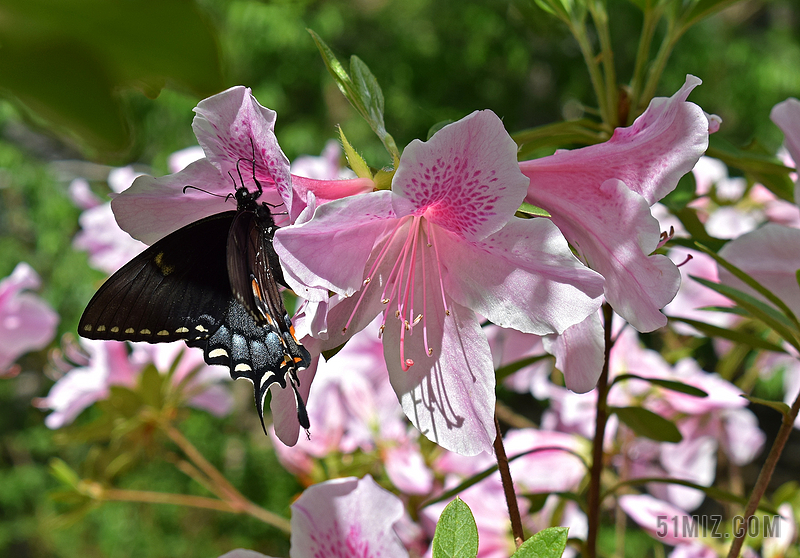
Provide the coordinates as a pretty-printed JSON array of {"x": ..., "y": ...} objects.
[
  {"x": 254, "y": 271},
  {"x": 178, "y": 288}
]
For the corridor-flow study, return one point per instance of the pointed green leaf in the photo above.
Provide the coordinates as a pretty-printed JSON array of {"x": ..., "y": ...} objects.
[
  {"x": 737, "y": 336},
  {"x": 356, "y": 161},
  {"x": 690, "y": 221},
  {"x": 532, "y": 210},
  {"x": 64, "y": 473},
  {"x": 667, "y": 384},
  {"x": 757, "y": 309},
  {"x": 505, "y": 371},
  {"x": 456, "y": 533},
  {"x": 362, "y": 90},
  {"x": 547, "y": 543},
  {"x": 779, "y": 406},
  {"x": 438, "y": 126},
  {"x": 648, "y": 424},
  {"x": 753, "y": 284}
]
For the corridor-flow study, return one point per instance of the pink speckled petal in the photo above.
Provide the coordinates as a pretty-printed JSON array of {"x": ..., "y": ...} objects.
[
  {"x": 347, "y": 517},
  {"x": 465, "y": 178},
  {"x": 233, "y": 128},
  {"x": 523, "y": 277},
  {"x": 331, "y": 250}
]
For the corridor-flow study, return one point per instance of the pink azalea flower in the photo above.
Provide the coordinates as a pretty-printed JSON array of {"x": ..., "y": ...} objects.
[
  {"x": 232, "y": 128},
  {"x": 27, "y": 323},
  {"x": 441, "y": 246},
  {"x": 599, "y": 196},
  {"x": 346, "y": 517}
]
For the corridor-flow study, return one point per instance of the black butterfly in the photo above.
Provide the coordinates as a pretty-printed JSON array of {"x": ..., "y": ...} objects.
[{"x": 214, "y": 284}]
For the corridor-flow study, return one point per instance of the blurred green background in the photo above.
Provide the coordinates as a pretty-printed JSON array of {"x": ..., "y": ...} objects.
[{"x": 81, "y": 81}]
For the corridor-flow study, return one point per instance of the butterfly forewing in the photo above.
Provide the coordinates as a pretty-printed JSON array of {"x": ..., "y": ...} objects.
[{"x": 177, "y": 288}]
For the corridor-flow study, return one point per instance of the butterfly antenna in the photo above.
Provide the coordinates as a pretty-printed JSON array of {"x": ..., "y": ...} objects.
[
  {"x": 253, "y": 162},
  {"x": 204, "y": 191}
]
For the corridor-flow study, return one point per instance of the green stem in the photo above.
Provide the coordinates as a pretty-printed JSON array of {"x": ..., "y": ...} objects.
[
  {"x": 578, "y": 29},
  {"x": 600, "y": 17},
  {"x": 508, "y": 486},
  {"x": 649, "y": 24},
  {"x": 787, "y": 425},
  {"x": 659, "y": 63},
  {"x": 232, "y": 497},
  {"x": 601, "y": 418}
]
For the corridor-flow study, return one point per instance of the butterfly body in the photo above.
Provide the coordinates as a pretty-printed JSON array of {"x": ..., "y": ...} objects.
[{"x": 214, "y": 285}]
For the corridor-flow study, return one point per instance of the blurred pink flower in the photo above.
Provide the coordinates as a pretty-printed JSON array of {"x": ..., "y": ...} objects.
[
  {"x": 27, "y": 323},
  {"x": 353, "y": 407},
  {"x": 110, "y": 363},
  {"x": 657, "y": 517},
  {"x": 346, "y": 517}
]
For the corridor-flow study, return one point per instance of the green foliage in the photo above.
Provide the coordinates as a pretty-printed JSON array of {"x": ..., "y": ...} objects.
[
  {"x": 456, "y": 533},
  {"x": 65, "y": 62},
  {"x": 547, "y": 543},
  {"x": 648, "y": 424}
]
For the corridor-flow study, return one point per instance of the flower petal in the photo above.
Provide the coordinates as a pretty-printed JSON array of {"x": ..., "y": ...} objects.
[
  {"x": 233, "y": 129},
  {"x": 465, "y": 178},
  {"x": 331, "y": 250},
  {"x": 154, "y": 207},
  {"x": 615, "y": 232},
  {"x": 580, "y": 353},
  {"x": 786, "y": 116},
  {"x": 523, "y": 277},
  {"x": 346, "y": 517},
  {"x": 450, "y": 396}
]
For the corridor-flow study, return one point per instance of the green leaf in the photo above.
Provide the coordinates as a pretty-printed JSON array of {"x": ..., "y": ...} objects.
[
  {"x": 648, "y": 424},
  {"x": 683, "y": 193},
  {"x": 151, "y": 384},
  {"x": 667, "y": 384},
  {"x": 693, "y": 225},
  {"x": 67, "y": 61},
  {"x": 438, "y": 126},
  {"x": 713, "y": 492},
  {"x": 362, "y": 90},
  {"x": 737, "y": 336},
  {"x": 779, "y": 406},
  {"x": 757, "y": 309},
  {"x": 547, "y": 543},
  {"x": 702, "y": 9},
  {"x": 560, "y": 134},
  {"x": 532, "y": 210},
  {"x": 456, "y": 533},
  {"x": 64, "y": 473},
  {"x": 356, "y": 161},
  {"x": 504, "y": 371},
  {"x": 753, "y": 284}
]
